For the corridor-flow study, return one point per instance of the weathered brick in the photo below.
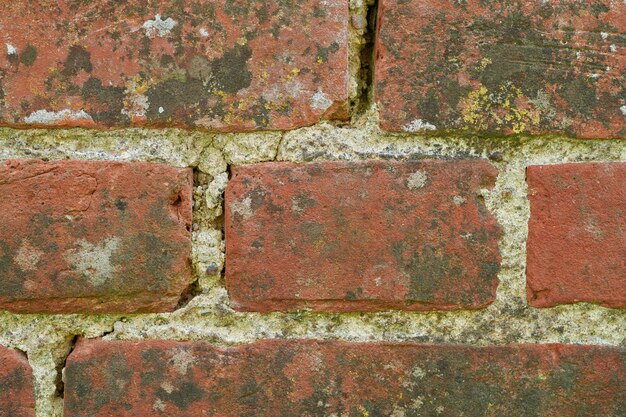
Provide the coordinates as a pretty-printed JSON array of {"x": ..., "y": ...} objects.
[
  {"x": 17, "y": 397},
  {"x": 218, "y": 64},
  {"x": 364, "y": 236},
  {"x": 503, "y": 66},
  {"x": 87, "y": 236},
  {"x": 576, "y": 248},
  {"x": 310, "y": 378}
]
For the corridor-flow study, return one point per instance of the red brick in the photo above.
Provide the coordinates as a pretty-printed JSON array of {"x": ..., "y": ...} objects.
[
  {"x": 218, "y": 64},
  {"x": 17, "y": 397},
  {"x": 79, "y": 236},
  {"x": 361, "y": 236},
  {"x": 310, "y": 378},
  {"x": 576, "y": 248},
  {"x": 502, "y": 67}
]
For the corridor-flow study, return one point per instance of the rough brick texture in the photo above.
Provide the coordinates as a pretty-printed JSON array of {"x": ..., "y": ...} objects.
[
  {"x": 505, "y": 66},
  {"x": 577, "y": 234},
  {"x": 80, "y": 236},
  {"x": 217, "y": 64},
  {"x": 342, "y": 236},
  {"x": 17, "y": 398},
  {"x": 309, "y": 378}
]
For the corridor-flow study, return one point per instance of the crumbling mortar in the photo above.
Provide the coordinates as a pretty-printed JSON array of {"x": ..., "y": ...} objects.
[
  {"x": 60, "y": 381},
  {"x": 361, "y": 54},
  {"x": 208, "y": 316}
]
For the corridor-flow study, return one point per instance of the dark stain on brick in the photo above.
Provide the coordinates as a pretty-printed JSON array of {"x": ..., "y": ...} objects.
[
  {"x": 82, "y": 382},
  {"x": 580, "y": 95},
  {"x": 354, "y": 295},
  {"x": 28, "y": 55},
  {"x": 250, "y": 394},
  {"x": 185, "y": 394},
  {"x": 258, "y": 198},
  {"x": 116, "y": 369},
  {"x": 78, "y": 58},
  {"x": 427, "y": 270},
  {"x": 13, "y": 277},
  {"x": 231, "y": 70},
  {"x": 323, "y": 52},
  {"x": 303, "y": 202},
  {"x": 108, "y": 101},
  {"x": 6, "y": 259},
  {"x": 312, "y": 232},
  {"x": 153, "y": 367},
  {"x": 121, "y": 204},
  {"x": 176, "y": 97},
  {"x": 261, "y": 113},
  {"x": 489, "y": 271}
]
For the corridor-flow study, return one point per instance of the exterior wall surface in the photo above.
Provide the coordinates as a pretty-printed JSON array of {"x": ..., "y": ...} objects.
[{"x": 313, "y": 208}]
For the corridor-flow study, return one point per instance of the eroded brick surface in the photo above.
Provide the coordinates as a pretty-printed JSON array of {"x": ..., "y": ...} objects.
[
  {"x": 217, "y": 64},
  {"x": 17, "y": 397},
  {"x": 310, "y": 378},
  {"x": 576, "y": 248},
  {"x": 504, "y": 66},
  {"x": 342, "y": 236},
  {"x": 79, "y": 236}
]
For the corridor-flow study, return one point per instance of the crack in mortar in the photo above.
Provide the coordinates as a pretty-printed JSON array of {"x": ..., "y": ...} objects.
[
  {"x": 208, "y": 316},
  {"x": 60, "y": 369},
  {"x": 361, "y": 55}
]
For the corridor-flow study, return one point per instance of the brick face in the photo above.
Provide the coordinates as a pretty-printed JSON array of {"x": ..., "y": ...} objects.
[
  {"x": 80, "y": 236},
  {"x": 577, "y": 234},
  {"x": 361, "y": 236},
  {"x": 305, "y": 378},
  {"x": 502, "y": 66},
  {"x": 17, "y": 398},
  {"x": 216, "y": 64}
]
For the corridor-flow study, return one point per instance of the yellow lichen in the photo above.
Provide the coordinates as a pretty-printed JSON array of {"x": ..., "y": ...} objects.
[
  {"x": 474, "y": 109},
  {"x": 293, "y": 73},
  {"x": 483, "y": 63},
  {"x": 482, "y": 110}
]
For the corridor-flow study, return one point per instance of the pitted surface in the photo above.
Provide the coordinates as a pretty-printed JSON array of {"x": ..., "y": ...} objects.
[{"x": 218, "y": 65}]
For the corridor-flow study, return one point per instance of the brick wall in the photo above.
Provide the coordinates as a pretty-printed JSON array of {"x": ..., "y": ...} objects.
[{"x": 313, "y": 208}]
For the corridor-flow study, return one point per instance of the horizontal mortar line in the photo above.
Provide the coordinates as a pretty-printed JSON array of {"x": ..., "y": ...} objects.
[{"x": 385, "y": 136}]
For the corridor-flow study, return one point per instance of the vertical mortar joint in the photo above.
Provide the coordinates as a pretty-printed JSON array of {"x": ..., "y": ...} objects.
[
  {"x": 59, "y": 380},
  {"x": 363, "y": 23}
]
